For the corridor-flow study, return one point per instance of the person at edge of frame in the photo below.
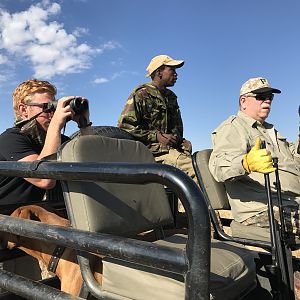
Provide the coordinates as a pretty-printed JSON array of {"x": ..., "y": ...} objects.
[
  {"x": 238, "y": 161},
  {"x": 152, "y": 115},
  {"x": 36, "y": 135}
]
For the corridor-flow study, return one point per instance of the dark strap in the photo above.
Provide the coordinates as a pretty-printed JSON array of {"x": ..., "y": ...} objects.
[
  {"x": 84, "y": 291},
  {"x": 57, "y": 253}
]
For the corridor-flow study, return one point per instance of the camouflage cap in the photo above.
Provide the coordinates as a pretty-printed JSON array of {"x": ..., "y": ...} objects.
[
  {"x": 162, "y": 60},
  {"x": 257, "y": 85}
]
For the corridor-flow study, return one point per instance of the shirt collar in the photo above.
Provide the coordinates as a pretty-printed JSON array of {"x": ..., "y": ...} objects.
[{"x": 252, "y": 122}]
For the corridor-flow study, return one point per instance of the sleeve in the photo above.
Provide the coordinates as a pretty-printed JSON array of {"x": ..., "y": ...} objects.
[
  {"x": 175, "y": 118},
  {"x": 295, "y": 149},
  {"x": 15, "y": 146},
  {"x": 229, "y": 148},
  {"x": 135, "y": 117}
]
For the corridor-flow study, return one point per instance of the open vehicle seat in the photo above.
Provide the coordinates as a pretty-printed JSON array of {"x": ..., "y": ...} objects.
[{"x": 129, "y": 209}]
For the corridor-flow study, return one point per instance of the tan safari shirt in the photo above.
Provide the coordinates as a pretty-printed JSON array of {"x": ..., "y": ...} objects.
[{"x": 246, "y": 192}]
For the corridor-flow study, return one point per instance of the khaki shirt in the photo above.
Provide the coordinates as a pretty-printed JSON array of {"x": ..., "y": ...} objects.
[{"x": 246, "y": 192}]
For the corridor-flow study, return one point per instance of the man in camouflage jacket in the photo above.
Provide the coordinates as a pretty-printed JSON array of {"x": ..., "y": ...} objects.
[{"x": 152, "y": 115}]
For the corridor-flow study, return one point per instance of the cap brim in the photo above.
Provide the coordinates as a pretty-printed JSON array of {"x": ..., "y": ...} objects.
[
  {"x": 266, "y": 90},
  {"x": 175, "y": 63},
  {"x": 172, "y": 63}
]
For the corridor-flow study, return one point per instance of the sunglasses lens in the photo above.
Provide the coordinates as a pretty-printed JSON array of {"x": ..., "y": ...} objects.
[
  {"x": 264, "y": 97},
  {"x": 45, "y": 106}
]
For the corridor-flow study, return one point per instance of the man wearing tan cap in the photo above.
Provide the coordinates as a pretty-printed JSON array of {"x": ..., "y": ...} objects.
[
  {"x": 151, "y": 114},
  {"x": 238, "y": 160}
]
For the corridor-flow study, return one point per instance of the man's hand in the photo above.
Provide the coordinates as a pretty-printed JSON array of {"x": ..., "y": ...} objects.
[
  {"x": 258, "y": 160},
  {"x": 62, "y": 113},
  {"x": 187, "y": 145},
  {"x": 166, "y": 139}
]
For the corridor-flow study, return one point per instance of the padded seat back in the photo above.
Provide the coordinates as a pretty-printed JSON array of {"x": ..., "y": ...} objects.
[
  {"x": 121, "y": 209},
  {"x": 214, "y": 191},
  {"x": 216, "y": 196}
]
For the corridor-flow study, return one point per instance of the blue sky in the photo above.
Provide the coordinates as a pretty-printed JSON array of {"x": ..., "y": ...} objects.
[{"x": 100, "y": 50}]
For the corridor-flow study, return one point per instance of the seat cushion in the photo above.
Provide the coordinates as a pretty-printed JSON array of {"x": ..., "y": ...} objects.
[
  {"x": 253, "y": 232},
  {"x": 250, "y": 232},
  {"x": 232, "y": 274}
]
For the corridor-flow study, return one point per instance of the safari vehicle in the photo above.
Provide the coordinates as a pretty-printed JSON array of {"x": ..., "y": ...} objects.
[{"x": 113, "y": 191}]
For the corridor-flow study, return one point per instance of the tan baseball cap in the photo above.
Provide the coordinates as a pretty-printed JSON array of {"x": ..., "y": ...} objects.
[
  {"x": 257, "y": 85},
  {"x": 162, "y": 60}
]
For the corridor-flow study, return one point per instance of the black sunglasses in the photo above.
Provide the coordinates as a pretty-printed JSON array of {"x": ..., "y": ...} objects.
[
  {"x": 265, "y": 97},
  {"x": 47, "y": 107}
]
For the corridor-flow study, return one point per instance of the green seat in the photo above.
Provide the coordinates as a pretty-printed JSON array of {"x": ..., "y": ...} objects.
[
  {"x": 128, "y": 209},
  {"x": 232, "y": 274},
  {"x": 111, "y": 207},
  {"x": 216, "y": 198}
]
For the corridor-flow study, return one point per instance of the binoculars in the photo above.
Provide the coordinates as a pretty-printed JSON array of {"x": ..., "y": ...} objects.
[{"x": 78, "y": 105}]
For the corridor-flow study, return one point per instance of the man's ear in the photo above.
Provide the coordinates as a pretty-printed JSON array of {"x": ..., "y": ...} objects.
[
  {"x": 243, "y": 102},
  {"x": 23, "y": 110},
  {"x": 158, "y": 73}
]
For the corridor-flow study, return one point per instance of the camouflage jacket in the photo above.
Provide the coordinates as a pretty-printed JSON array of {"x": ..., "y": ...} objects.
[{"x": 146, "y": 112}]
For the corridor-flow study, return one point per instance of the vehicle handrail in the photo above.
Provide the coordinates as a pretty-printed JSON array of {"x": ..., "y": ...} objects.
[{"x": 197, "y": 259}]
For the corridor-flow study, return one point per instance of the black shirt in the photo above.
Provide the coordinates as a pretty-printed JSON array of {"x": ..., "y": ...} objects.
[{"x": 14, "y": 146}]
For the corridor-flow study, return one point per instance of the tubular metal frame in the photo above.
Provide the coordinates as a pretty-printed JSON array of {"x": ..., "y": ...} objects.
[{"x": 194, "y": 264}]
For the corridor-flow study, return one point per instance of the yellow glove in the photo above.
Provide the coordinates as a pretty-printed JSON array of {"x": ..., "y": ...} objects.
[{"x": 258, "y": 160}]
